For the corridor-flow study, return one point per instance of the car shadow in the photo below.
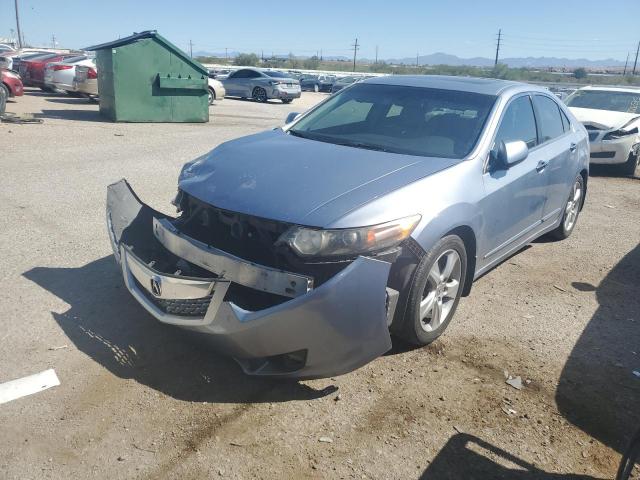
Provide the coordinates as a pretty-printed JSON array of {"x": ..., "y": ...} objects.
[
  {"x": 598, "y": 390},
  {"x": 106, "y": 323},
  {"x": 465, "y": 456},
  {"x": 77, "y": 115},
  {"x": 71, "y": 100},
  {"x": 609, "y": 171}
]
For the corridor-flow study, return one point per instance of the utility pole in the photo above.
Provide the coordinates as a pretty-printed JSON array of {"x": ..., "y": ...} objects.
[
  {"x": 320, "y": 54},
  {"x": 417, "y": 54},
  {"x": 495, "y": 64},
  {"x": 636, "y": 61},
  {"x": 226, "y": 54},
  {"x": 53, "y": 40},
  {"x": 20, "y": 42},
  {"x": 355, "y": 52},
  {"x": 262, "y": 55},
  {"x": 190, "y": 48},
  {"x": 376, "y": 54},
  {"x": 626, "y": 62}
]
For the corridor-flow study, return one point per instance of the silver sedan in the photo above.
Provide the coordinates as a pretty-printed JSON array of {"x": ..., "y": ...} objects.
[{"x": 261, "y": 85}]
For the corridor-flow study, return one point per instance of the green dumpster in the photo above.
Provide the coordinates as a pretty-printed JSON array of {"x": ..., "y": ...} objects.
[{"x": 145, "y": 78}]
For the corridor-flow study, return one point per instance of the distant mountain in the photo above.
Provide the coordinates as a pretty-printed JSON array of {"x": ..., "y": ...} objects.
[
  {"x": 440, "y": 58},
  {"x": 516, "y": 62}
]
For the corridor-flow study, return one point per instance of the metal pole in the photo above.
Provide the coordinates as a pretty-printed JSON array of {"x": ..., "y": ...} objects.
[
  {"x": 636, "y": 61},
  {"x": 355, "y": 51},
  {"x": 376, "y": 54},
  {"x": 190, "y": 48},
  {"x": 626, "y": 62},
  {"x": 20, "y": 42},
  {"x": 498, "y": 47}
]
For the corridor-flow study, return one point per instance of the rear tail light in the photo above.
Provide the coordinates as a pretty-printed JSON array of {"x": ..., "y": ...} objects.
[
  {"x": 91, "y": 73},
  {"x": 61, "y": 67}
]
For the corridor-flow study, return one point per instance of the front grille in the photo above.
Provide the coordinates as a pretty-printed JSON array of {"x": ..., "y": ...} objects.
[
  {"x": 603, "y": 154},
  {"x": 183, "y": 307}
]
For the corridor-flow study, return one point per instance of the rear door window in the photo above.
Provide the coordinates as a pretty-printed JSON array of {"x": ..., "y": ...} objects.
[
  {"x": 548, "y": 117},
  {"x": 518, "y": 123}
]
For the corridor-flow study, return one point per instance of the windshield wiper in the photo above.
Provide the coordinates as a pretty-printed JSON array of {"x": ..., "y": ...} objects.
[
  {"x": 365, "y": 146},
  {"x": 297, "y": 133}
]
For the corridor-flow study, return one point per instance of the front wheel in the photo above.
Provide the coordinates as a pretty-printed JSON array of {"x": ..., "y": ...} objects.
[
  {"x": 628, "y": 168},
  {"x": 571, "y": 210},
  {"x": 435, "y": 291},
  {"x": 211, "y": 96},
  {"x": 259, "y": 95}
]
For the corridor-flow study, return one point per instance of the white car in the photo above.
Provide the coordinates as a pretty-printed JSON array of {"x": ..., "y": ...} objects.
[
  {"x": 60, "y": 75},
  {"x": 86, "y": 80},
  {"x": 216, "y": 90},
  {"x": 611, "y": 116}
]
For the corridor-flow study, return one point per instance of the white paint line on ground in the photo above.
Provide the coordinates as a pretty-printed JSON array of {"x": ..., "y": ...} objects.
[{"x": 24, "y": 386}]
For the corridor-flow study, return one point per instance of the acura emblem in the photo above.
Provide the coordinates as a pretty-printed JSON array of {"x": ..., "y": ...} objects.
[{"x": 156, "y": 286}]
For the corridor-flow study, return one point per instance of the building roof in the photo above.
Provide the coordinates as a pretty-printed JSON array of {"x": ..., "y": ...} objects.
[
  {"x": 487, "y": 86},
  {"x": 156, "y": 36}
]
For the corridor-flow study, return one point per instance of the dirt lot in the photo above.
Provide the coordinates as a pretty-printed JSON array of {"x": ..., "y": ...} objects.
[{"x": 142, "y": 400}]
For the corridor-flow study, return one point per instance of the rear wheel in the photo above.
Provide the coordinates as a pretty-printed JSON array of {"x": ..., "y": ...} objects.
[
  {"x": 571, "y": 210},
  {"x": 212, "y": 96},
  {"x": 435, "y": 292},
  {"x": 629, "y": 167},
  {"x": 287, "y": 100},
  {"x": 259, "y": 95}
]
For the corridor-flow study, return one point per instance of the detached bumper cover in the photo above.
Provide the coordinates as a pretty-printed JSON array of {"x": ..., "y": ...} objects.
[{"x": 330, "y": 330}]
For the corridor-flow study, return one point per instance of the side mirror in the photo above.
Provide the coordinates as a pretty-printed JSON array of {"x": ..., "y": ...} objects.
[
  {"x": 510, "y": 153},
  {"x": 291, "y": 117}
]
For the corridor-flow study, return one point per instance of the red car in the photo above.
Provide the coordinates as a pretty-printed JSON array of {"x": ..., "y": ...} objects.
[
  {"x": 11, "y": 82},
  {"x": 32, "y": 70}
]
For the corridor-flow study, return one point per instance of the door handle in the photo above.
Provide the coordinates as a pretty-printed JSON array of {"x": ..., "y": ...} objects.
[
  {"x": 542, "y": 164},
  {"x": 573, "y": 147}
]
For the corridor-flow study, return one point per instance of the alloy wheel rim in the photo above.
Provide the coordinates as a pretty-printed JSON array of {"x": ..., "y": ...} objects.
[
  {"x": 573, "y": 206},
  {"x": 260, "y": 95},
  {"x": 441, "y": 290}
]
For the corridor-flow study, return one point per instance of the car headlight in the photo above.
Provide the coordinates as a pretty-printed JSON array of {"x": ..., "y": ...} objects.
[
  {"x": 616, "y": 134},
  {"x": 310, "y": 242}
]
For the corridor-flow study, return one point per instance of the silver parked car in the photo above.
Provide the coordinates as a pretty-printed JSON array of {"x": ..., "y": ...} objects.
[
  {"x": 60, "y": 75},
  {"x": 261, "y": 85},
  {"x": 297, "y": 250}
]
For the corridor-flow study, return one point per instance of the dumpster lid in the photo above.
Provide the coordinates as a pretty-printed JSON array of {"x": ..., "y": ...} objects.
[{"x": 159, "y": 38}]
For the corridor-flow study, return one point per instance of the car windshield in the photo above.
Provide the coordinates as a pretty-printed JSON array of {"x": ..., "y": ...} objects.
[
  {"x": 277, "y": 74},
  {"x": 408, "y": 120},
  {"x": 606, "y": 100}
]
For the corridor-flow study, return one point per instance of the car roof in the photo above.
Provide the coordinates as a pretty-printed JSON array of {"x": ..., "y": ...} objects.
[
  {"x": 612, "y": 89},
  {"x": 487, "y": 86}
]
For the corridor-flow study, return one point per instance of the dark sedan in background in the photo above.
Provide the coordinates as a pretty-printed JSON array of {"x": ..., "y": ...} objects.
[{"x": 317, "y": 83}]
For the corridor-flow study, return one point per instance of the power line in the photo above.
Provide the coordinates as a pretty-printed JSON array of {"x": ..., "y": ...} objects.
[
  {"x": 495, "y": 64},
  {"x": 356, "y": 47}
]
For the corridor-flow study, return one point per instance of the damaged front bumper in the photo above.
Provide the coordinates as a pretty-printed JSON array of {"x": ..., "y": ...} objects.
[{"x": 314, "y": 332}]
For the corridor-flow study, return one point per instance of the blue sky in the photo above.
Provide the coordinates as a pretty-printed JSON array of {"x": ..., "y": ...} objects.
[{"x": 568, "y": 28}]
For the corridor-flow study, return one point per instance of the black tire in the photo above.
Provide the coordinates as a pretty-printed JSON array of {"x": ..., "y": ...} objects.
[
  {"x": 212, "y": 96},
  {"x": 316, "y": 88},
  {"x": 259, "y": 94},
  {"x": 630, "y": 459},
  {"x": 414, "y": 327},
  {"x": 7, "y": 93},
  {"x": 628, "y": 169},
  {"x": 572, "y": 207},
  {"x": 287, "y": 100},
  {"x": 3, "y": 100}
]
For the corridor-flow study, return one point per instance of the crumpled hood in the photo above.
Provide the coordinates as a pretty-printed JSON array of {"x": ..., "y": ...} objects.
[
  {"x": 603, "y": 119},
  {"x": 281, "y": 177}
]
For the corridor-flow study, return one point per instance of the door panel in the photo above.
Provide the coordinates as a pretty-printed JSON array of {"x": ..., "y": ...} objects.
[{"x": 514, "y": 196}]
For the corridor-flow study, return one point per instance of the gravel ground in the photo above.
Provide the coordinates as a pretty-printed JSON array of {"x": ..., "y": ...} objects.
[{"x": 142, "y": 400}]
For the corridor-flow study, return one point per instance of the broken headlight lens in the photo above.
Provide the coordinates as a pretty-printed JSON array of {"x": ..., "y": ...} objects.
[{"x": 310, "y": 242}]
